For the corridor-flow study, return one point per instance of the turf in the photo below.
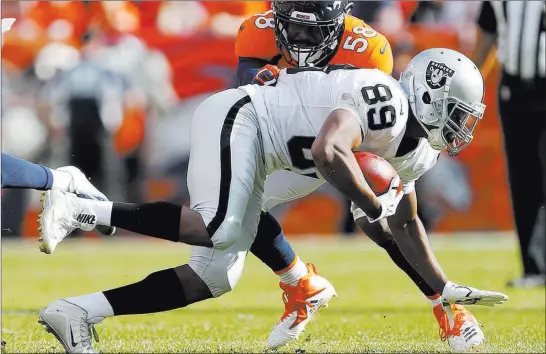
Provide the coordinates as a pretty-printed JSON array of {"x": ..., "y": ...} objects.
[{"x": 378, "y": 309}]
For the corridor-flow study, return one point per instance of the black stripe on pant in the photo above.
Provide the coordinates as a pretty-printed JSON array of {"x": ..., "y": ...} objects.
[
  {"x": 225, "y": 166},
  {"x": 523, "y": 116}
]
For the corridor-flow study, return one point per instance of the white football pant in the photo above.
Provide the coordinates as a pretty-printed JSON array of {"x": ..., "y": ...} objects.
[{"x": 226, "y": 177}]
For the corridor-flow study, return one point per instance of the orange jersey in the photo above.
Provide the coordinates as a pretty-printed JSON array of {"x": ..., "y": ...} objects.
[{"x": 360, "y": 45}]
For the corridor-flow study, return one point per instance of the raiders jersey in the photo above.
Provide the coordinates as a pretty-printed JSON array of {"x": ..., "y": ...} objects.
[
  {"x": 414, "y": 164},
  {"x": 292, "y": 113}
]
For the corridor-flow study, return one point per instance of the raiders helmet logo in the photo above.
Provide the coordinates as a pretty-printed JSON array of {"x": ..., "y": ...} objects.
[{"x": 437, "y": 74}]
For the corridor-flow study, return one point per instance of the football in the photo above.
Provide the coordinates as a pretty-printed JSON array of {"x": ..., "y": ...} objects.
[{"x": 377, "y": 171}]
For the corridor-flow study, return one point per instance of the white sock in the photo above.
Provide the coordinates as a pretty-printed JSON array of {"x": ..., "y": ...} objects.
[
  {"x": 434, "y": 300},
  {"x": 95, "y": 304},
  {"x": 102, "y": 209},
  {"x": 293, "y": 275}
]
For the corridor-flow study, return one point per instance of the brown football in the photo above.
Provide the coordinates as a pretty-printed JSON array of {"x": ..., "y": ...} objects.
[{"x": 377, "y": 171}]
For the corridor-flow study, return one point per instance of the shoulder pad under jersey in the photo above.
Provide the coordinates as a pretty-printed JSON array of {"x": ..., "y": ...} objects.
[
  {"x": 256, "y": 38},
  {"x": 363, "y": 47}
]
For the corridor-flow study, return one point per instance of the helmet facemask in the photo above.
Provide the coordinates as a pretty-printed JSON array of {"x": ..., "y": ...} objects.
[
  {"x": 322, "y": 37},
  {"x": 448, "y": 122},
  {"x": 459, "y": 125}
]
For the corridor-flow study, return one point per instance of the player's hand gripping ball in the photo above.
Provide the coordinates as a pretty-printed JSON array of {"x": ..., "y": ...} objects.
[{"x": 378, "y": 172}]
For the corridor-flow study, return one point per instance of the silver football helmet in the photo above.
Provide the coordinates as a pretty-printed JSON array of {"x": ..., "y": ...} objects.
[{"x": 445, "y": 91}]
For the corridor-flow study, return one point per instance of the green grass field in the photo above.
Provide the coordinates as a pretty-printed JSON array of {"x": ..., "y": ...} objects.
[{"x": 378, "y": 309}]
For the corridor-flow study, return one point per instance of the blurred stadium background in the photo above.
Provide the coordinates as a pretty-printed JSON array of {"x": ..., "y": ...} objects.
[
  {"x": 151, "y": 62},
  {"x": 146, "y": 65}
]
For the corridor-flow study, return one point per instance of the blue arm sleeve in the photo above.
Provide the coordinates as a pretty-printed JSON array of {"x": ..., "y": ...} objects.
[
  {"x": 18, "y": 173},
  {"x": 247, "y": 68}
]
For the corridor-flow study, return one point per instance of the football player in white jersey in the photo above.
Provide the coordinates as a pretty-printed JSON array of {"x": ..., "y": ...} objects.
[{"x": 311, "y": 122}]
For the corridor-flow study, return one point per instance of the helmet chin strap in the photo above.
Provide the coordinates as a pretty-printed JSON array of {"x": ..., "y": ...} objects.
[
  {"x": 434, "y": 136},
  {"x": 436, "y": 140}
]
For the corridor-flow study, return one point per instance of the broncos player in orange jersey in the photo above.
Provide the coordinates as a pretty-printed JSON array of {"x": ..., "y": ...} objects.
[
  {"x": 306, "y": 34},
  {"x": 279, "y": 38}
]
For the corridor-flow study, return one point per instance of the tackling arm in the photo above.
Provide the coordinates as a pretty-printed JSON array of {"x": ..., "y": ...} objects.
[
  {"x": 332, "y": 152},
  {"x": 19, "y": 173}
]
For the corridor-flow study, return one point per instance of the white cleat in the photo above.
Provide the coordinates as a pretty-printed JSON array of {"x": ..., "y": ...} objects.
[
  {"x": 70, "y": 325},
  {"x": 460, "y": 328},
  {"x": 61, "y": 214},
  {"x": 466, "y": 295},
  {"x": 301, "y": 303}
]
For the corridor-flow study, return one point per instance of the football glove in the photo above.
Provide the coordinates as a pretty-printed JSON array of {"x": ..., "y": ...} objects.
[
  {"x": 266, "y": 76},
  {"x": 466, "y": 295},
  {"x": 389, "y": 200},
  {"x": 71, "y": 179}
]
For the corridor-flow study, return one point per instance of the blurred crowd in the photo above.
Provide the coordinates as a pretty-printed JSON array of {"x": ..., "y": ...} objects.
[{"x": 110, "y": 86}]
